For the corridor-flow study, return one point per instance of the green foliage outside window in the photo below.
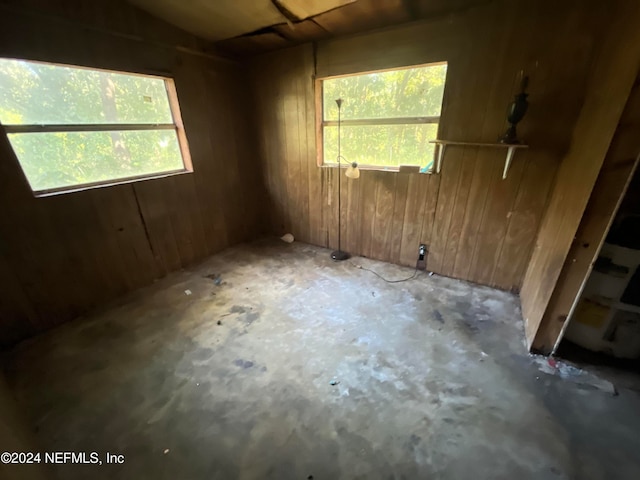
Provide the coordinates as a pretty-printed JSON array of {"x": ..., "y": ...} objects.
[
  {"x": 35, "y": 94},
  {"x": 411, "y": 92}
]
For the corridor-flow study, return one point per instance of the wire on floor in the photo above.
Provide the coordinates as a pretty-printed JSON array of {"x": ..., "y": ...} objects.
[{"x": 415, "y": 273}]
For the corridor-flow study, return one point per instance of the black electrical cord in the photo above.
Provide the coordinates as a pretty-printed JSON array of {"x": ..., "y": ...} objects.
[{"x": 415, "y": 273}]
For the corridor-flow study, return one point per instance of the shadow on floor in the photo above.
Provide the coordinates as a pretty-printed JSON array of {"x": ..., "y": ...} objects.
[{"x": 623, "y": 373}]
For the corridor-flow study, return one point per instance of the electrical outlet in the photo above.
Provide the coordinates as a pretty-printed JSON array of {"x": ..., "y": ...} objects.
[{"x": 422, "y": 250}]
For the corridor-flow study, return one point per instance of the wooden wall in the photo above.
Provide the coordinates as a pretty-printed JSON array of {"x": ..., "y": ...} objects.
[
  {"x": 615, "y": 68},
  {"x": 608, "y": 192},
  {"x": 62, "y": 255},
  {"x": 478, "y": 227}
]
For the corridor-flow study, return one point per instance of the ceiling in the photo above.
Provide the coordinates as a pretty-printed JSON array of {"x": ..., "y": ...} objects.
[
  {"x": 249, "y": 27},
  {"x": 220, "y": 19}
]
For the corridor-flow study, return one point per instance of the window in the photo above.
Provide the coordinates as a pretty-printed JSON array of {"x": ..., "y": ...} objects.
[
  {"x": 388, "y": 117},
  {"x": 73, "y": 127}
]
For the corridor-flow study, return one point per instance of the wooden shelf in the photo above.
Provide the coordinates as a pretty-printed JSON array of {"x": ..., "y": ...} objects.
[{"x": 511, "y": 150}]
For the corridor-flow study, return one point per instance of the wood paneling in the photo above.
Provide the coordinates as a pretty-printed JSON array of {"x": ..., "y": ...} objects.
[
  {"x": 608, "y": 192},
  {"x": 612, "y": 75},
  {"x": 62, "y": 255},
  {"x": 478, "y": 227}
]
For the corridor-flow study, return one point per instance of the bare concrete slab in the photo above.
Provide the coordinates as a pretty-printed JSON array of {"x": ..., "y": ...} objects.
[{"x": 270, "y": 361}]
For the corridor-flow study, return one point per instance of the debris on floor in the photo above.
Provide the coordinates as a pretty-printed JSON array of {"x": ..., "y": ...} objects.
[
  {"x": 400, "y": 371},
  {"x": 216, "y": 277},
  {"x": 564, "y": 370},
  {"x": 287, "y": 237},
  {"x": 166, "y": 450},
  {"x": 243, "y": 363},
  {"x": 188, "y": 292},
  {"x": 219, "y": 322}
]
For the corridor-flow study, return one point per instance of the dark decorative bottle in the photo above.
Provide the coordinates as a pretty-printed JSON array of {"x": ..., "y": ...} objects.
[{"x": 517, "y": 109}]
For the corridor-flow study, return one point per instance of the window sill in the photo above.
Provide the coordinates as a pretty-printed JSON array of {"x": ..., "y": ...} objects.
[
  {"x": 374, "y": 168},
  {"x": 107, "y": 183}
]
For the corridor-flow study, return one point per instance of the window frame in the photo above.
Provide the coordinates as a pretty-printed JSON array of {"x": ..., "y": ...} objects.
[
  {"x": 177, "y": 125},
  {"x": 321, "y": 122}
]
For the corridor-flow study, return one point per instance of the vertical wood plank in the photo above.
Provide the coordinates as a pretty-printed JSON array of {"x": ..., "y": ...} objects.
[
  {"x": 301, "y": 82},
  {"x": 397, "y": 221},
  {"x": 418, "y": 190},
  {"x": 383, "y": 216},
  {"x": 368, "y": 191}
]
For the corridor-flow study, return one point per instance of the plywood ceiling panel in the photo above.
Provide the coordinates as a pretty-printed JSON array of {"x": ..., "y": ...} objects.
[
  {"x": 363, "y": 15},
  {"x": 221, "y": 19},
  {"x": 308, "y": 8}
]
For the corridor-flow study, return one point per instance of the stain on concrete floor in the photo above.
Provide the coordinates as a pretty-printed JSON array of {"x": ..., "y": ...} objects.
[{"x": 431, "y": 380}]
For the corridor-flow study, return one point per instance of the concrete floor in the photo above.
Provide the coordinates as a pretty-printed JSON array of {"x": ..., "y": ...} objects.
[{"x": 433, "y": 381}]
